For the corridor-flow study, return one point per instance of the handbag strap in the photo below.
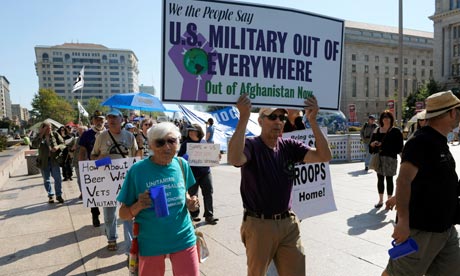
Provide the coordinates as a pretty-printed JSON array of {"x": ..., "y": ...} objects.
[{"x": 116, "y": 144}]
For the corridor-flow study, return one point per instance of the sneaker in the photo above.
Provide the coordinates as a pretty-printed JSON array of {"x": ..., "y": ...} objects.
[
  {"x": 211, "y": 220},
  {"x": 96, "y": 222},
  {"x": 112, "y": 246},
  {"x": 50, "y": 199},
  {"x": 60, "y": 199}
]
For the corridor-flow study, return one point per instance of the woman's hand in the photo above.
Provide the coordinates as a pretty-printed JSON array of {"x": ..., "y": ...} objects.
[
  {"x": 144, "y": 200},
  {"x": 193, "y": 203}
]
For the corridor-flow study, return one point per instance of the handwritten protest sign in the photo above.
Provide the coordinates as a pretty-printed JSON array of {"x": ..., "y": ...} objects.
[
  {"x": 215, "y": 51},
  {"x": 312, "y": 193},
  {"x": 101, "y": 185},
  {"x": 203, "y": 155}
]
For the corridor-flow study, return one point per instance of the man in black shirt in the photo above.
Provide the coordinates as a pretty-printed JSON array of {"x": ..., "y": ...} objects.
[{"x": 427, "y": 195}]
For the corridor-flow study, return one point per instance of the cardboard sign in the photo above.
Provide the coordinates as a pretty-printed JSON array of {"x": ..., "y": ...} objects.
[
  {"x": 312, "y": 193},
  {"x": 100, "y": 185},
  {"x": 203, "y": 155},
  {"x": 214, "y": 51}
]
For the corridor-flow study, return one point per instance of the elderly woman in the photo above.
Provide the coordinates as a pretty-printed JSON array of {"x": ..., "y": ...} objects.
[
  {"x": 173, "y": 234},
  {"x": 387, "y": 141}
]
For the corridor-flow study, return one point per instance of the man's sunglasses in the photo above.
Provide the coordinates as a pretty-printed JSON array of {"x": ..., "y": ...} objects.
[
  {"x": 272, "y": 117},
  {"x": 161, "y": 142}
]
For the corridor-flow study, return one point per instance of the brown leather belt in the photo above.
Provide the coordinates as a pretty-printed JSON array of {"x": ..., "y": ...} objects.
[{"x": 280, "y": 216}]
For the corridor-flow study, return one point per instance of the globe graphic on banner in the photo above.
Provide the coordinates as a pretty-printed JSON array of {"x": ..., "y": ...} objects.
[{"x": 196, "y": 61}]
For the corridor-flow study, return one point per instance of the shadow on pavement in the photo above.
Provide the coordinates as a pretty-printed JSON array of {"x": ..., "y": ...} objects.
[
  {"x": 359, "y": 172},
  {"x": 372, "y": 220},
  {"x": 83, "y": 233}
]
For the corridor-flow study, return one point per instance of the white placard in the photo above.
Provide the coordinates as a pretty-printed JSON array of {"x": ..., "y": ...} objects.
[
  {"x": 203, "y": 155},
  {"x": 312, "y": 193},
  {"x": 101, "y": 185},
  {"x": 215, "y": 51}
]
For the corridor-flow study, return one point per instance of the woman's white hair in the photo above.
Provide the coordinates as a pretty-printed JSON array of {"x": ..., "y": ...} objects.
[{"x": 161, "y": 130}]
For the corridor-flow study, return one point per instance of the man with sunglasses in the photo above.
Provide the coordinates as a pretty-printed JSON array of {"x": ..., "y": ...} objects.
[
  {"x": 115, "y": 143},
  {"x": 270, "y": 230}
]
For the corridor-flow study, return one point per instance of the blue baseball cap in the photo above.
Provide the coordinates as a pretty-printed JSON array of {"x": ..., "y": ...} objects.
[{"x": 114, "y": 112}]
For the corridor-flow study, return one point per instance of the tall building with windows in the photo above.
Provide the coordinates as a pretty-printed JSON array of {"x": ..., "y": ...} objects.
[
  {"x": 370, "y": 67},
  {"x": 107, "y": 71},
  {"x": 446, "y": 21},
  {"x": 5, "y": 101}
]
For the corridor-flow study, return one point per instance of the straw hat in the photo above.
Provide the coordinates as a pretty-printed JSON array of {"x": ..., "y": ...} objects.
[
  {"x": 267, "y": 111},
  {"x": 439, "y": 103}
]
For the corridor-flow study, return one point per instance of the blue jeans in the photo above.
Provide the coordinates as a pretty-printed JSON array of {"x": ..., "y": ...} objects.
[
  {"x": 55, "y": 171},
  {"x": 128, "y": 234},
  {"x": 110, "y": 223},
  {"x": 367, "y": 157}
]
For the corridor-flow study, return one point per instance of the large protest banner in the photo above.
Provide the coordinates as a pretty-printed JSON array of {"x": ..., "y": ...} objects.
[
  {"x": 312, "y": 193},
  {"x": 101, "y": 185},
  {"x": 214, "y": 51}
]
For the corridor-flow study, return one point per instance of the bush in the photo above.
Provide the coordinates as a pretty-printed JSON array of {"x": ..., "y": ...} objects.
[
  {"x": 3, "y": 140},
  {"x": 354, "y": 129}
]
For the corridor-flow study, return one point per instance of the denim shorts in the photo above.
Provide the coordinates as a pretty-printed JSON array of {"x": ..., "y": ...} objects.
[{"x": 438, "y": 254}]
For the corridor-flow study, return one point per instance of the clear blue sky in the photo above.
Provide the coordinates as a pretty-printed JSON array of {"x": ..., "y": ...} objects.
[{"x": 136, "y": 25}]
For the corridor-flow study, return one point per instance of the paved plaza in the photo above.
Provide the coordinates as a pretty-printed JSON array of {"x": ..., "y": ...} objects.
[{"x": 38, "y": 238}]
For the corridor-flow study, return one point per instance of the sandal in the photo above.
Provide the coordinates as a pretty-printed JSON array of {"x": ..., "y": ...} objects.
[{"x": 112, "y": 246}]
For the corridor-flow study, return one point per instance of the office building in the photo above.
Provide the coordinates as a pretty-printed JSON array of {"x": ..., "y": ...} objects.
[
  {"x": 107, "y": 71},
  {"x": 370, "y": 67},
  {"x": 5, "y": 102}
]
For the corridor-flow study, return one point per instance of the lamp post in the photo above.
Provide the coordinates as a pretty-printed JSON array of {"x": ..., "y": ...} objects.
[{"x": 400, "y": 65}]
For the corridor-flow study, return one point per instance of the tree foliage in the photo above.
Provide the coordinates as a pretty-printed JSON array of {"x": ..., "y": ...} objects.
[
  {"x": 47, "y": 104},
  {"x": 423, "y": 92}
]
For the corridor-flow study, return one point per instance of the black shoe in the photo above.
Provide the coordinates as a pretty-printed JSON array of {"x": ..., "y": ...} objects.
[
  {"x": 70, "y": 179},
  {"x": 378, "y": 205},
  {"x": 80, "y": 197},
  {"x": 50, "y": 199},
  {"x": 211, "y": 220},
  {"x": 196, "y": 219},
  {"x": 60, "y": 199},
  {"x": 366, "y": 169},
  {"x": 65, "y": 179},
  {"x": 96, "y": 222}
]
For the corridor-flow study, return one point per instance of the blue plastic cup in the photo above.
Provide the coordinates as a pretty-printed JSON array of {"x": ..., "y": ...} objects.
[
  {"x": 403, "y": 249},
  {"x": 160, "y": 203}
]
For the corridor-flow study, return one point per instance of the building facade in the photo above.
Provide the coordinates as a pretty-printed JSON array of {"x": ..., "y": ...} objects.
[
  {"x": 370, "y": 67},
  {"x": 20, "y": 112},
  {"x": 446, "y": 21},
  {"x": 5, "y": 101},
  {"x": 107, "y": 71}
]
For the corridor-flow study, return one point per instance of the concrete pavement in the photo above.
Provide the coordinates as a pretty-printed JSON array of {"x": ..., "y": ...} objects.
[{"x": 38, "y": 238}]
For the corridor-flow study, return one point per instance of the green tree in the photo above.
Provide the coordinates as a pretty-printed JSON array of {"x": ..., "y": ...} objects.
[{"x": 47, "y": 104}]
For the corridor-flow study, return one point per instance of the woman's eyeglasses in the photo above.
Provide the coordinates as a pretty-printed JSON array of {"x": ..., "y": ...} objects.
[
  {"x": 273, "y": 117},
  {"x": 161, "y": 142}
]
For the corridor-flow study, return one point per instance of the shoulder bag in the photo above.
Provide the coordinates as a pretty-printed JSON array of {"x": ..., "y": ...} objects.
[{"x": 201, "y": 246}]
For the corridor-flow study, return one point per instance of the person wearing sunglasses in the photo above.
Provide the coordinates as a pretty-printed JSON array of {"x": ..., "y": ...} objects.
[
  {"x": 267, "y": 176},
  {"x": 387, "y": 142},
  {"x": 195, "y": 134},
  {"x": 141, "y": 137},
  {"x": 174, "y": 233}
]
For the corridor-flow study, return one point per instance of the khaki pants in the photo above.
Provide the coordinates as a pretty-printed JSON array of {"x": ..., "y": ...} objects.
[{"x": 279, "y": 240}]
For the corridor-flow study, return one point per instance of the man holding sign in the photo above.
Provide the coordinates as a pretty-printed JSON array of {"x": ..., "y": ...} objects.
[{"x": 270, "y": 230}]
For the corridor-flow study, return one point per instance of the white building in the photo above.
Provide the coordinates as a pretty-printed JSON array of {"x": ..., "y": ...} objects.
[
  {"x": 446, "y": 20},
  {"x": 370, "y": 66},
  {"x": 5, "y": 101},
  {"x": 107, "y": 71}
]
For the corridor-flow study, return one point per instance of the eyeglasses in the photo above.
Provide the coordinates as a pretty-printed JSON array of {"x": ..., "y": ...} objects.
[
  {"x": 273, "y": 117},
  {"x": 161, "y": 142}
]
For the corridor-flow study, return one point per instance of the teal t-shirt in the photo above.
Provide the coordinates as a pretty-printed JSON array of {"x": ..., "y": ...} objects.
[{"x": 161, "y": 235}]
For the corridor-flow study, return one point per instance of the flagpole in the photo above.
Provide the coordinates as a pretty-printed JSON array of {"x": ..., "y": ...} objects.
[{"x": 81, "y": 102}]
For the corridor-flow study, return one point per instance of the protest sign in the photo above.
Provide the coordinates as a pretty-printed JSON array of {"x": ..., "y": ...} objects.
[
  {"x": 101, "y": 185},
  {"x": 312, "y": 193},
  {"x": 203, "y": 155},
  {"x": 214, "y": 51}
]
